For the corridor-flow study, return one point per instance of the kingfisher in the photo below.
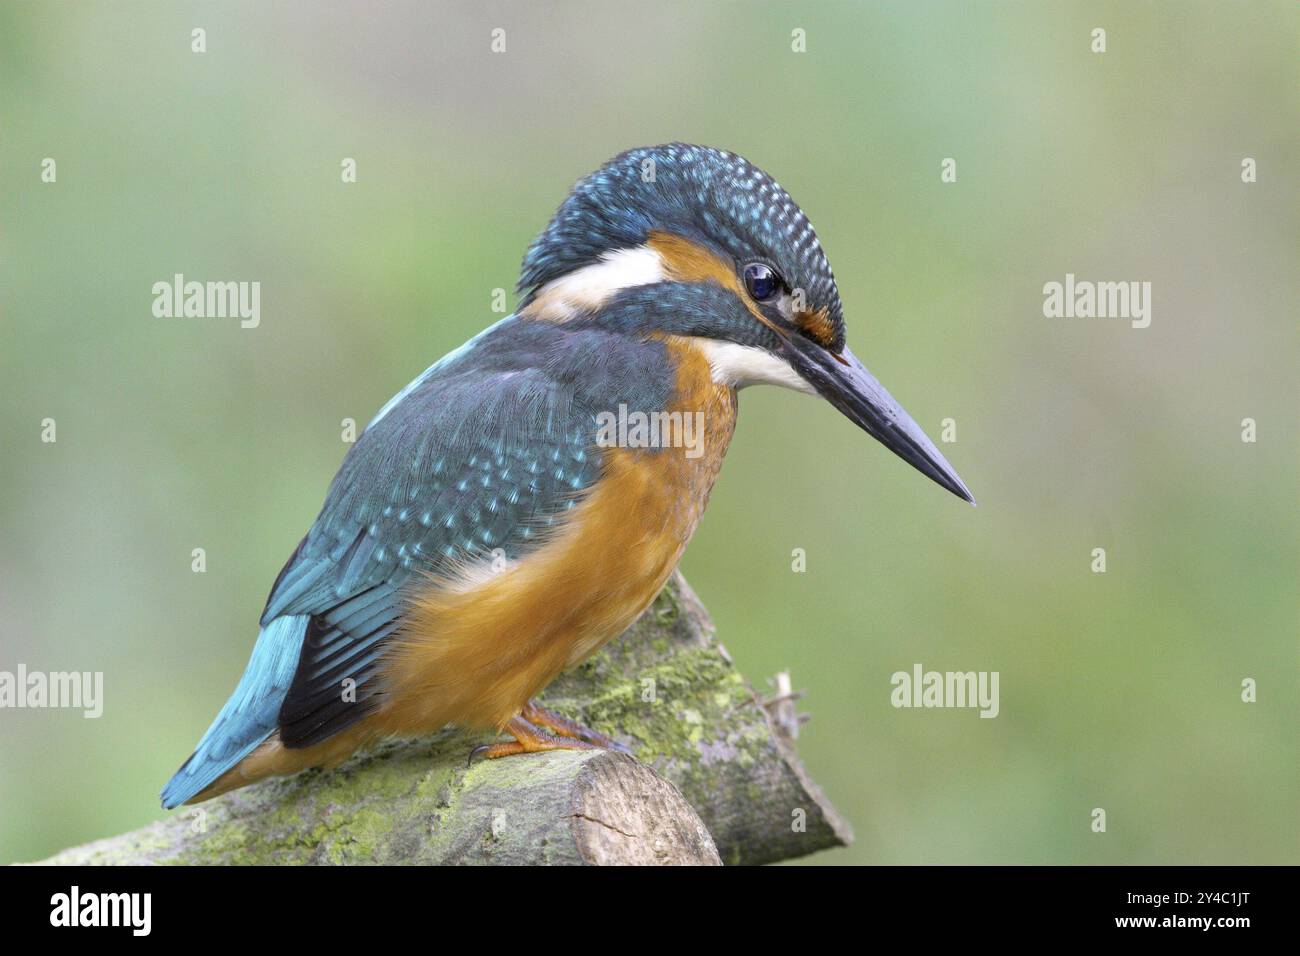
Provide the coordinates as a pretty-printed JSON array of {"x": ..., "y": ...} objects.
[{"x": 488, "y": 530}]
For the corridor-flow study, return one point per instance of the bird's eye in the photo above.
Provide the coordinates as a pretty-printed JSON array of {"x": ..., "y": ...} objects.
[{"x": 762, "y": 282}]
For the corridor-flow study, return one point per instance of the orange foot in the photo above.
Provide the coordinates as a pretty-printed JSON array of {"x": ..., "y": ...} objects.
[{"x": 530, "y": 737}]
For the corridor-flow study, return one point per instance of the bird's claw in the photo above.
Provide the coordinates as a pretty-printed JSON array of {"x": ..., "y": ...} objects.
[{"x": 537, "y": 729}]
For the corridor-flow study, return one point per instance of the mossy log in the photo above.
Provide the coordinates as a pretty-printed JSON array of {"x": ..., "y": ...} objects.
[{"x": 666, "y": 688}]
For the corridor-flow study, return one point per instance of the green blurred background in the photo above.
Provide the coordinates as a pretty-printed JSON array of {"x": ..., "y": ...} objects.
[{"x": 1118, "y": 690}]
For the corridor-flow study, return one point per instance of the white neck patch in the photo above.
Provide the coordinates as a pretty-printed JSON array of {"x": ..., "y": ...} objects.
[{"x": 591, "y": 286}]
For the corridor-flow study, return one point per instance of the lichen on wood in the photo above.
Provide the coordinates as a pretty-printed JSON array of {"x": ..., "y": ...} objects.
[{"x": 666, "y": 688}]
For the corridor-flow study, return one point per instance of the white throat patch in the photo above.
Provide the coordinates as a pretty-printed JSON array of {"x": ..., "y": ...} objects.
[{"x": 741, "y": 365}]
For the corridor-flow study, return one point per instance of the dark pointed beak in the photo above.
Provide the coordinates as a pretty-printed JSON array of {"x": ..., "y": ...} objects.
[{"x": 845, "y": 382}]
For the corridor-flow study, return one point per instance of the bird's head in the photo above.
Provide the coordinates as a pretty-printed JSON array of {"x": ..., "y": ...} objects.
[{"x": 694, "y": 241}]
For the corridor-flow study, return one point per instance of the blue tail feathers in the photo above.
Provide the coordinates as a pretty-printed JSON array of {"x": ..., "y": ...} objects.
[{"x": 249, "y": 716}]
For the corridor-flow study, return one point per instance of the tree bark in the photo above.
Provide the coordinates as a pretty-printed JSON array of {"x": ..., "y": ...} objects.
[{"x": 666, "y": 688}]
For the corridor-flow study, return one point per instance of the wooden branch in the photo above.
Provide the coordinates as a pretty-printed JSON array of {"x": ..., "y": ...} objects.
[{"x": 666, "y": 688}]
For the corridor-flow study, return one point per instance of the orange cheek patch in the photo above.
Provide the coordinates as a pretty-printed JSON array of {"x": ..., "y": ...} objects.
[{"x": 686, "y": 261}]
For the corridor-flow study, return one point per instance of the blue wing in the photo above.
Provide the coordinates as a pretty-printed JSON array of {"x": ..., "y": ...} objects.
[{"x": 485, "y": 450}]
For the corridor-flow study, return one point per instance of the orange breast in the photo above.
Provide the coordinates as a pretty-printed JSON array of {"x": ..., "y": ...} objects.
[{"x": 474, "y": 653}]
